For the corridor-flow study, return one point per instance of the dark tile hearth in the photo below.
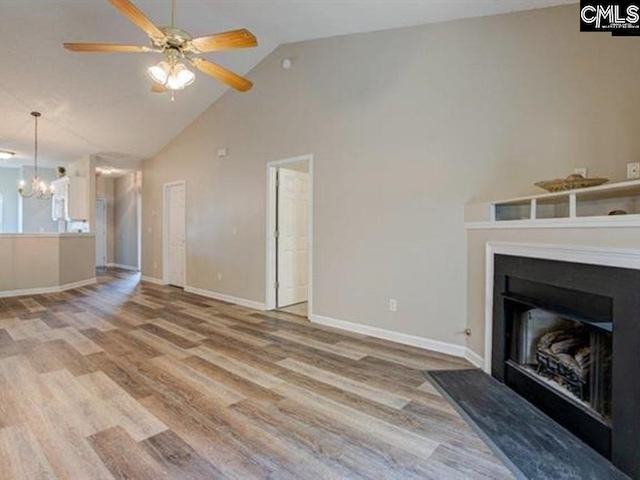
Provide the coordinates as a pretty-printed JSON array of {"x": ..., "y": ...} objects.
[{"x": 531, "y": 444}]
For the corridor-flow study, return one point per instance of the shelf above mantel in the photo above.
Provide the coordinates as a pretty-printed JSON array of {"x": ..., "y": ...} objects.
[{"x": 581, "y": 208}]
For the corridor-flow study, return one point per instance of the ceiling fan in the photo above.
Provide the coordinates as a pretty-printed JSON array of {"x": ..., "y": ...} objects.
[{"x": 178, "y": 47}]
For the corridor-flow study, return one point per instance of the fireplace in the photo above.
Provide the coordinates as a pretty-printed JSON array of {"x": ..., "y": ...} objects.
[{"x": 566, "y": 336}]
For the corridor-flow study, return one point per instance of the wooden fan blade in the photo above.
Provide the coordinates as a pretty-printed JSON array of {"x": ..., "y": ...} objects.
[
  {"x": 220, "y": 73},
  {"x": 130, "y": 11},
  {"x": 105, "y": 47},
  {"x": 157, "y": 88},
  {"x": 225, "y": 41}
]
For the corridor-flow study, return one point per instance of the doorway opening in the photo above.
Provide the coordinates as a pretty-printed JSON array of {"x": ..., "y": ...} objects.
[
  {"x": 290, "y": 235},
  {"x": 174, "y": 234},
  {"x": 101, "y": 232}
]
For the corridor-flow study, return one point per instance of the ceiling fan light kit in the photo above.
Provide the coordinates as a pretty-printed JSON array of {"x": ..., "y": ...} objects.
[
  {"x": 174, "y": 75},
  {"x": 178, "y": 48}
]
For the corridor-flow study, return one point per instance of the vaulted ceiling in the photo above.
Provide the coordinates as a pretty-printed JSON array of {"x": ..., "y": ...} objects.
[{"x": 101, "y": 104}]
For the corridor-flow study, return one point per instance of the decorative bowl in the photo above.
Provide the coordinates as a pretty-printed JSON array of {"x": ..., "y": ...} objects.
[{"x": 572, "y": 182}]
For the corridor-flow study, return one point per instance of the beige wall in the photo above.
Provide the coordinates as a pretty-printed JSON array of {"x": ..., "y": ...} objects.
[
  {"x": 406, "y": 127},
  {"x": 8, "y": 189},
  {"x": 77, "y": 255},
  {"x": 105, "y": 189},
  {"x": 28, "y": 262},
  {"x": 126, "y": 194}
]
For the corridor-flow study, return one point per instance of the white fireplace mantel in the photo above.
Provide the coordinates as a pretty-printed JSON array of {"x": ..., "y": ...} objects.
[{"x": 609, "y": 257}]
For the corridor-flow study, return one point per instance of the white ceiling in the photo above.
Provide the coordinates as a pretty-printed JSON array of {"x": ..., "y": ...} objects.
[{"x": 100, "y": 104}]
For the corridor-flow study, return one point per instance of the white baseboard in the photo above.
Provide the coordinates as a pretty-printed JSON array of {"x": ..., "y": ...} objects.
[
  {"x": 123, "y": 267},
  {"x": 473, "y": 358},
  {"x": 405, "y": 339},
  {"x": 226, "y": 298},
  {"x": 45, "y": 290},
  {"x": 157, "y": 281}
]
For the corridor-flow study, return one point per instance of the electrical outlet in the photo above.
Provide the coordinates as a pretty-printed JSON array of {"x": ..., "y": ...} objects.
[
  {"x": 633, "y": 171},
  {"x": 393, "y": 305},
  {"x": 580, "y": 171}
]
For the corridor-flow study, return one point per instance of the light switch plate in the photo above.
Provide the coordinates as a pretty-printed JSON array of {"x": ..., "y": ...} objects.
[
  {"x": 580, "y": 171},
  {"x": 633, "y": 171},
  {"x": 393, "y": 305}
]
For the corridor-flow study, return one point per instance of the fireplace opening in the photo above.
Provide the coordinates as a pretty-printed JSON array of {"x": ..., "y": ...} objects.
[{"x": 569, "y": 356}]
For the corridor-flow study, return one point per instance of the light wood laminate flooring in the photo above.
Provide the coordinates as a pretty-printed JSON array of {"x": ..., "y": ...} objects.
[
  {"x": 139, "y": 381},
  {"x": 300, "y": 309}
]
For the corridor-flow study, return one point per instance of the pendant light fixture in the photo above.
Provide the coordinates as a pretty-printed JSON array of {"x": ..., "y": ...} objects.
[{"x": 39, "y": 188}]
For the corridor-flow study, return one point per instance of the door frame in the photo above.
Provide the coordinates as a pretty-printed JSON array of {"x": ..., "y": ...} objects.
[
  {"x": 105, "y": 224},
  {"x": 271, "y": 269},
  {"x": 165, "y": 231}
]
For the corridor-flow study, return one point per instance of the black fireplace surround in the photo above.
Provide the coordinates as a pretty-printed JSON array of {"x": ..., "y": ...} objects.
[{"x": 604, "y": 302}]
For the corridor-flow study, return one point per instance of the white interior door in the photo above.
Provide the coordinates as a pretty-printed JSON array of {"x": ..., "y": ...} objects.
[
  {"x": 293, "y": 237},
  {"x": 176, "y": 234},
  {"x": 101, "y": 232}
]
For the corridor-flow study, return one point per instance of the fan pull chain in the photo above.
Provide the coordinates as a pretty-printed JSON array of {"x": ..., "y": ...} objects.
[{"x": 173, "y": 13}]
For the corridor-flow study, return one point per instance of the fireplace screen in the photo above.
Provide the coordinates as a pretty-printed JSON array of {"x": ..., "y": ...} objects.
[{"x": 569, "y": 356}]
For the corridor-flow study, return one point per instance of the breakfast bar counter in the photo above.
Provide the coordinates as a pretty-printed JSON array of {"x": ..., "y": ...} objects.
[{"x": 36, "y": 263}]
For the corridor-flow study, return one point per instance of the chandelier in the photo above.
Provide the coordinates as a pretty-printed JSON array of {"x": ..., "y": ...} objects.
[{"x": 39, "y": 188}]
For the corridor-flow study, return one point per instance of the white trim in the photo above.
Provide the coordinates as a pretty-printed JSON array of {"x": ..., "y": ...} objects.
[
  {"x": 612, "y": 221},
  {"x": 45, "y": 290},
  {"x": 226, "y": 298},
  {"x": 488, "y": 306},
  {"x": 138, "y": 194},
  {"x": 609, "y": 257},
  {"x": 165, "y": 232},
  {"x": 123, "y": 267},
  {"x": 270, "y": 294},
  {"x": 403, "y": 338},
  {"x": 157, "y": 281},
  {"x": 473, "y": 358}
]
